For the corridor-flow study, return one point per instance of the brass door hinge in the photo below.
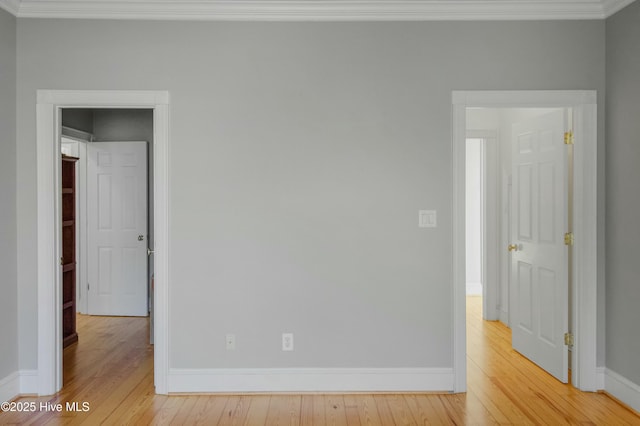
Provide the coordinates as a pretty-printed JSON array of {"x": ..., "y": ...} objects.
[
  {"x": 568, "y": 239},
  {"x": 568, "y": 339},
  {"x": 568, "y": 138}
]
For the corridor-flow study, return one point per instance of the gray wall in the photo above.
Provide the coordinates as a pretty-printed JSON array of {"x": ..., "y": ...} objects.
[
  {"x": 623, "y": 176},
  {"x": 78, "y": 118},
  {"x": 300, "y": 155},
  {"x": 123, "y": 125},
  {"x": 8, "y": 274}
]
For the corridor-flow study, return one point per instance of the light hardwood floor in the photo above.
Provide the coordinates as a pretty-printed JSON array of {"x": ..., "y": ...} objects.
[{"x": 111, "y": 368}]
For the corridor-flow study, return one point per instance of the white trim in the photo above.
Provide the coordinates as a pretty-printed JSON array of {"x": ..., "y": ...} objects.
[
  {"x": 81, "y": 135},
  {"x": 622, "y": 388},
  {"x": 18, "y": 383},
  {"x": 458, "y": 246},
  {"x": 28, "y": 382},
  {"x": 585, "y": 253},
  {"x": 311, "y": 380},
  {"x": 48, "y": 270},
  {"x": 48, "y": 120},
  {"x": 10, "y": 387},
  {"x": 600, "y": 371},
  {"x": 585, "y": 226},
  {"x": 612, "y": 6},
  {"x": 83, "y": 264},
  {"x": 11, "y": 6},
  {"x": 317, "y": 10},
  {"x": 529, "y": 98},
  {"x": 110, "y": 98},
  {"x": 162, "y": 246}
]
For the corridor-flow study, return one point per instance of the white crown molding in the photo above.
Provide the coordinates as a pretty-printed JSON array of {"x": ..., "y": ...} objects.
[
  {"x": 612, "y": 6},
  {"x": 11, "y": 6},
  {"x": 317, "y": 10}
]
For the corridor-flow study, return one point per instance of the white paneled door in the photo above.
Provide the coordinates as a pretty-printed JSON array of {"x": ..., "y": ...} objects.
[
  {"x": 539, "y": 256},
  {"x": 117, "y": 228}
]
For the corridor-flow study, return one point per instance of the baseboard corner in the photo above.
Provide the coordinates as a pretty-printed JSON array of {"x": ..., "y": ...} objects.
[
  {"x": 10, "y": 387},
  {"x": 622, "y": 389},
  {"x": 600, "y": 373}
]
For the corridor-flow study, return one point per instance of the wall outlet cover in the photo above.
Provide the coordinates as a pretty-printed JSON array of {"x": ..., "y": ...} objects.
[{"x": 287, "y": 341}]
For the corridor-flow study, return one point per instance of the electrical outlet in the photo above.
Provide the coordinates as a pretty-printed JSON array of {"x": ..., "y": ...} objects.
[
  {"x": 231, "y": 342},
  {"x": 287, "y": 341}
]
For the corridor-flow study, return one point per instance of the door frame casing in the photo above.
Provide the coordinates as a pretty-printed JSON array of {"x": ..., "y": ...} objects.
[
  {"x": 585, "y": 265},
  {"x": 49, "y": 121}
]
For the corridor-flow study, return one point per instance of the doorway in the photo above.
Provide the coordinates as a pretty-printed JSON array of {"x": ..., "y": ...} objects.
[
  {"x": 583, "y": 104},
  {"x": 525, "y": 300},
  {"x": 114, "y": 217},
  {"x": 49, "y": 122},
  {"x": 114, "y": 148}
]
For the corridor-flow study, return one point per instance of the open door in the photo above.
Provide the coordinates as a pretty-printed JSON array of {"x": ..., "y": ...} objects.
[
  {"x": 117, "y": 228},
  {"x": 539, "y": 256}
]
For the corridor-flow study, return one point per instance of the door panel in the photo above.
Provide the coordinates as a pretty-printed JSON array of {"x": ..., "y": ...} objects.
[
  {"x": 525, "y": 172},
  {"x": 524, "y": 297},
  {"x": 540, "y": 263},
  {"x": 117, "y": 216}
]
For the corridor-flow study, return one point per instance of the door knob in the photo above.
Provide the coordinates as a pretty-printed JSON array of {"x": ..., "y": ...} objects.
[
  {"x": 512, "y": 247},
  {"x": 150, "y": 252}
]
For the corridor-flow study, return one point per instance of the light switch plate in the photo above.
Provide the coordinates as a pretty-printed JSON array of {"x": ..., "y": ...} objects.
[{"x": 427, "y": 219}]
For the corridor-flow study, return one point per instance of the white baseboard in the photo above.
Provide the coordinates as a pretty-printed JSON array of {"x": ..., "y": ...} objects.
[
  {"x": 10, "y": 387},
  {"x": 310, "y": 380},
  {"x": 622, "y": 388},
  {"x": 503, "y": 317},
  {"x": 474, "y": 289},
  {"x": 28, "y": 382},
  {"x": 600, "y": 378},
  {"x": 18, "y": 383}
]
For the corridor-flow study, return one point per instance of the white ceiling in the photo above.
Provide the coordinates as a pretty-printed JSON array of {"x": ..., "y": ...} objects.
[{"x": 317, "y": 10}]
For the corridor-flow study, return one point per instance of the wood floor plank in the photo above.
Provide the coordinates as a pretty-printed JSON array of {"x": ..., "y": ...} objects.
[
  {"x": 258, "y": 410},
  {"x": 141, "y": 399},
  {"x": 400, "y": 410},
  {"x": 208, "y": 410},
  {"x": 493, "y": 399},
  {"x": 235, "y": 411},
  {"x": 335, "y": 413},
  {"x": 474, "y": 411},
  {"x": 169, "y": 410},
  {"x": 182, "y": 415},
  {"x": 384, "y": 411},
  {"x": 421, "y": 409},
  {"x": 365, "y": 408},
  {"x": 111, "y": 368},
  {"x": 284, "y": 410},
  {"x": 313, "y": 410},
  {"x": 437, "y": 412}
]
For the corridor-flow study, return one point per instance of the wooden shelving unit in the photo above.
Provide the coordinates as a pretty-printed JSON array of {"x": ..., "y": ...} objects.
[{"x": 69, "y": 334}]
